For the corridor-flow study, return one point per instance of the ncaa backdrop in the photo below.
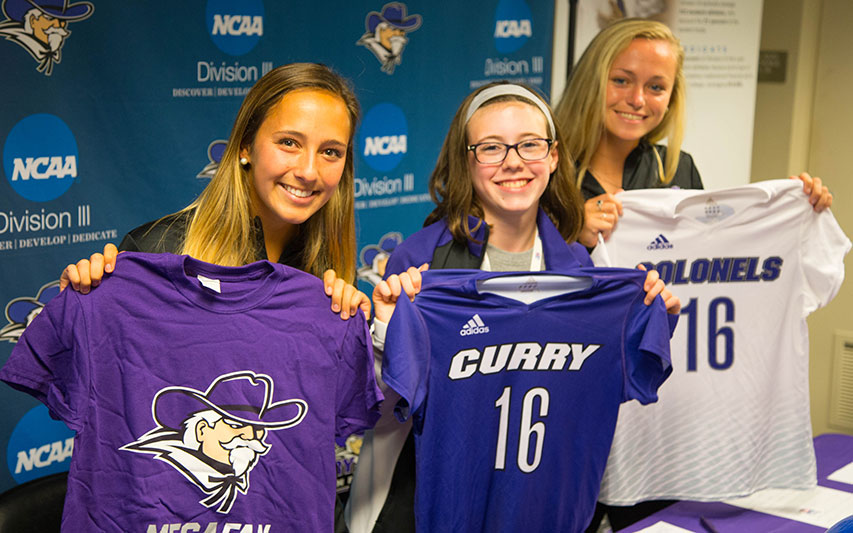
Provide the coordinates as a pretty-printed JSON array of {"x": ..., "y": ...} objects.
[{"x": 116, "y": 113}]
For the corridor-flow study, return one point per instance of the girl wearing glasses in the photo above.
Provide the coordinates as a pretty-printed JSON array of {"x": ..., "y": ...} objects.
[
  {"x": 505, "y": 201},
  {"x": 503, "y": 188}
]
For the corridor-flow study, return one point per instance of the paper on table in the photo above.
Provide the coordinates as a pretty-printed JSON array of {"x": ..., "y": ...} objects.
[
  {"x": 843, "y": 475},
  {"x": 664, "y": 527},
  {"x": 820, "y": 506}
]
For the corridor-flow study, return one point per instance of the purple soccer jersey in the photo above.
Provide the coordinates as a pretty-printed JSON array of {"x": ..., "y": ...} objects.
[
  {"x": 202, "y": 395},
  {"x": 514, "y": 403}
]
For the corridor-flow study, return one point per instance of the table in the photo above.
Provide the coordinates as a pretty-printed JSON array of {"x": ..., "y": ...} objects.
[{"x": 832, "y": 451}]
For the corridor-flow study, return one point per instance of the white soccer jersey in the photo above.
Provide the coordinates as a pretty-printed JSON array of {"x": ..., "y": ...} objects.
[{"x": 749, "y": 264}]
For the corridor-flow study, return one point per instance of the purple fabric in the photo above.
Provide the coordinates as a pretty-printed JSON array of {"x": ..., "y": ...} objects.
[
  {"x": 420, "y": 246},
  {"x": 832, "y": 452},
  {"x": 267, "y": 354},
  {"x": 723, "y": 518},
  {"x": 442, "y": 356}
]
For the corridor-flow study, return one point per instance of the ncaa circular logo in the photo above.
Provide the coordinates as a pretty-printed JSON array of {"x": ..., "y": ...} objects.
[
  {"x": 39, "y": 446},
  {"x": 235, "y": 27},
  {"x": 513, "y": 25},
  {"x": 40, "y": 157},
  {"x": 383, "y": 136}
]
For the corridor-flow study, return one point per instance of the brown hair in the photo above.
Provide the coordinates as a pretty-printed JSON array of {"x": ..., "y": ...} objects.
[{"x": 452, "y": 189}]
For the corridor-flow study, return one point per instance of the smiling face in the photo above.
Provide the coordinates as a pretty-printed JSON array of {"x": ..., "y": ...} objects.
[
  {"x": 639, "y": 88},
  {"x": 298, "y": 157},
  {"x": 386, "y": 34},
  {"x": 512, "y": 188},
  {"x": 217, "y": 439},
  {"x": 50, "y": 31}
]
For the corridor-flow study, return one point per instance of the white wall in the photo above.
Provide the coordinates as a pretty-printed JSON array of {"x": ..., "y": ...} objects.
[
  {"x": 805, "y": 124},
  {"x": 829, "y": 157}
]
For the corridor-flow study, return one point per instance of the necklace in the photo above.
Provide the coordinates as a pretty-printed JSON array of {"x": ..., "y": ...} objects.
[{"x": 612, "y": 182}]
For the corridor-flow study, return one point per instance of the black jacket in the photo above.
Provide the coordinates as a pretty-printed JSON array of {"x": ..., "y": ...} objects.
[{"x": 166, "y": 235}]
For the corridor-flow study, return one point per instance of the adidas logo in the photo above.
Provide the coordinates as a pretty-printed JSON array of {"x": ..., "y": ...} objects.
[
  {"x": 474, "y": 326},
  {"x": 660, "y": 243}
]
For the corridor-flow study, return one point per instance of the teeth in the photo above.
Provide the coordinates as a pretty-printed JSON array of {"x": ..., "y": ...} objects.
[
  {"x": 515, "y": 184},
  {"x": 300, "y": 193},
  {"x": 630, "y": 116}
]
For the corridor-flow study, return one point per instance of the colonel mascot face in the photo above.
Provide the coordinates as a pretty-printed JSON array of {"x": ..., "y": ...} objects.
[
  {"x": 41, "y": 27},
  {"x": 216, "y": 437},
  {"x": 225, "y": 441},
  {"x": 385, "y": 33}
]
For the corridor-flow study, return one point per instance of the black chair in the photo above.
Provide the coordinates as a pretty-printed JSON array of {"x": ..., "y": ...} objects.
[{"x": 34, "y": 506}]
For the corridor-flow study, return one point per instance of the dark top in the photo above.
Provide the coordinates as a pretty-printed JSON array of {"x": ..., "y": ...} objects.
[
  {"x": 642, "y": 172},
  {"x": 166, "y": 235}
]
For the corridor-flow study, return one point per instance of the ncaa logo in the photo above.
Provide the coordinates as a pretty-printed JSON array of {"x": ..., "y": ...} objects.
[
  {"x": 513, "y": 25},
  {"x": 40, "y": 157},
  {"x": 383, "y": 137},
  {"x": 39, "y": 446},
  {"x": 235, "y": 27}
]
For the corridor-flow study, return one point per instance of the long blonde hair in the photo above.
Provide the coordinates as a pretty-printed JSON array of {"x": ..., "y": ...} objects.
[
  {"x": 452, "y": 188},
  {"x": 221, "y": 229},
  {"x": 581, "y": 109}
]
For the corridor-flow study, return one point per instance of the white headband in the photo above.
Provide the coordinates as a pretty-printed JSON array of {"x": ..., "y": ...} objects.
[{"x": 507, "y": 89}]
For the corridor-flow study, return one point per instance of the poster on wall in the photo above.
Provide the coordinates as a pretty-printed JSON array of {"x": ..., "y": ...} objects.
[
  {"x": 721, "y": 41},
  {"x": 454, "y": 51},
  {"x": 115, "y": 118}
]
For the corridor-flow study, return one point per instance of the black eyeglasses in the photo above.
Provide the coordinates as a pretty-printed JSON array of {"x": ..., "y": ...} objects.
[{"x": 491, "y": 153}]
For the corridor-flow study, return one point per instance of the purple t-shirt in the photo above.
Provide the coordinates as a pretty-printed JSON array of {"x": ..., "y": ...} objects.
[{"x": 200, "y": 395}]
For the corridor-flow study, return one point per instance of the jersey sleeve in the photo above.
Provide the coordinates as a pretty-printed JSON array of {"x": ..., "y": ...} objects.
[
  {"x": 401, "y": 259},
  {"x": 358, "y": 395},
  {"x": 580, "y": 253},
  {"x": 405, "y": 366},
  {"x": 50, "y": 360},
  {"x": 824, "y": 246},
  {"x": 647, "y": 356}
]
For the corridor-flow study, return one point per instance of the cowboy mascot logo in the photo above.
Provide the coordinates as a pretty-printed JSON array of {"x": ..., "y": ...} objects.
[
  {"x": 215, "y": 151},
  {"x": 41, "y": 27},
  {"x": 214, "y": 438},
  {"x": 385, "y": 34},
  {"x": 374, "y": 258},
  {"x": 21, "y": 311}
]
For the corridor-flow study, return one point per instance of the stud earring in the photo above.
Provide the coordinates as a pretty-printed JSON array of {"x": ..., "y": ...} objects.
[{"x": 244, "y": 162}]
